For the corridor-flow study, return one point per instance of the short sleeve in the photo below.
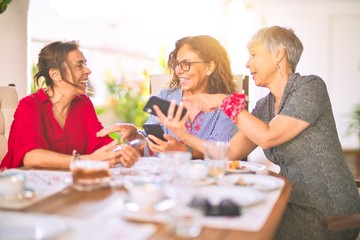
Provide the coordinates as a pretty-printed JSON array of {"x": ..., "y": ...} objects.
[{"x": 307, "y": 101}]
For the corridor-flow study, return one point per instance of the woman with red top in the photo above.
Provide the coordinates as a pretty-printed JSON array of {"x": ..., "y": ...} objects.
[{"x": 55, "y": 122}]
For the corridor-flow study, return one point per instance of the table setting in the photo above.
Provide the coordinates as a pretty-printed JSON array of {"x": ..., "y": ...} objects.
[
  {"x": 255, "y": 194},
  {"x": 185, "y": 195}
]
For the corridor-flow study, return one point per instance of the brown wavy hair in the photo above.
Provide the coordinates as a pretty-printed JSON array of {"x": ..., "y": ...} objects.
[
  {"x": 53, "y": 55},
  {"x": 208, "y": 49}
]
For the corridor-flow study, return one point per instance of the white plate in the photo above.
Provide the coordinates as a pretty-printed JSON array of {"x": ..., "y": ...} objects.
[
  {"x": 198, "y": 183},
  {"x": 30, "y": 226},
  {"x": 44, "y": 183},
  {"x": 163, "y": 205},
  {"x": 248, "y": 167},
  {"x": 243, "y": 196},
  {"x": 260, "y": 182}
]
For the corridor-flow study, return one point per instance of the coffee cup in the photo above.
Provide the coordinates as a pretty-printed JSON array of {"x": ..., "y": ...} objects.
[
  {"x": 11, "y": 185},
  {"x": 145, "y": 193}
]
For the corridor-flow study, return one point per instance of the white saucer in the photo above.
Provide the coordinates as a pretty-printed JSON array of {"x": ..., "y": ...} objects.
[{"x": 246, "y": 167}]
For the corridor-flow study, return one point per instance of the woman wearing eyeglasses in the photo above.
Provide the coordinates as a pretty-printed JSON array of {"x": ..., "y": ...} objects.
[
  {"x": 295, "y": 126},
  {"x": 198, "y": 64}
]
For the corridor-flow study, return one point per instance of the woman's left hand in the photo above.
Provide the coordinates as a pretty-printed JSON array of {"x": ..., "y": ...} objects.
[
  {"x": 172, "y": 144},
  {"x": 173, "y": 120}
]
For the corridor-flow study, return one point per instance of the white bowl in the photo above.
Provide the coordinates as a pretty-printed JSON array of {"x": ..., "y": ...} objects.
[
  {"x": 197, "y": 170},
  {"x": 146, "y": 194}
]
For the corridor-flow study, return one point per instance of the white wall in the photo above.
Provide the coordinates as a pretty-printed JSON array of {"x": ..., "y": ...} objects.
[
  {"x": 324, "y": 27},
  {"x": 13, "y": 46},
  {"x": 328, "y": 30}
]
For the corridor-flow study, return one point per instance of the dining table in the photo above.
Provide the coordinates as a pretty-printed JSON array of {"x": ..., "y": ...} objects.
[{"x": 101, "y": 213}]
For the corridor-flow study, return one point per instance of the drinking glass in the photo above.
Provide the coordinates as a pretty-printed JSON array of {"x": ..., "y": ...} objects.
[
  {"x": 186, "y": 221},
  {"x": 216, "y": 155},
  {"x": 88, "y": 175},
  {"x": 172, "y": 162}
]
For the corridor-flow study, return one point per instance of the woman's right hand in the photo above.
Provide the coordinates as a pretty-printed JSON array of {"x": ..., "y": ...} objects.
[
  {"x": 128, "y": 131},
  {"x": 204, "y": 102},
  {"x": 127, "y": 155}
]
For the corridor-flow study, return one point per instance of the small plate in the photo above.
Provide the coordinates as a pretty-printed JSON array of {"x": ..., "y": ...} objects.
[
  {"x": 163, "y": 205},
  {"x": 200, "y": 182},
  {"x": 260, "y": 182},
  {"x": 40, "y": 184},
  {"x": 243, "y": 196},
  {"x": 246, "y": 167}
]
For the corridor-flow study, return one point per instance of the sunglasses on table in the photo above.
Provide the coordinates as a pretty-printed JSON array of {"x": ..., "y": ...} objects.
[{"x": 226, "y": 207}]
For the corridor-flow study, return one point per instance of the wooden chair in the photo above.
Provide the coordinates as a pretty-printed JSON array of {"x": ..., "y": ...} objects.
[
  {"x": 8, "y": 104},
  {"x": 242, "y": 82},
  {"x": 158, "y": 82},
  {"x": 344, "y": 222}
]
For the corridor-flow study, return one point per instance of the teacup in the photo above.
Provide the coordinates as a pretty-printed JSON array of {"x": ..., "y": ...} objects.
[
  {"x": 195, "y": 170},
  {"x": 145, "y": 193},
  {"x": 11, "y": 185}
]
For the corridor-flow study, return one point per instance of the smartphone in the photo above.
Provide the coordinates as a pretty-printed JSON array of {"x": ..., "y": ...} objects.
[
  {"x": 154, "y": 129},
  {"x": 162, "y": 104}
]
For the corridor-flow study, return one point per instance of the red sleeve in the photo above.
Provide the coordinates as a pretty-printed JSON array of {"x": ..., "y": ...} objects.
[
  {"x": 35, "y": 127},
  {"x": 25, "y": 133}
]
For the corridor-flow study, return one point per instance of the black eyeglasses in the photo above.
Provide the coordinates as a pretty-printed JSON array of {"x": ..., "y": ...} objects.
[{"x": 184, "y": 65}]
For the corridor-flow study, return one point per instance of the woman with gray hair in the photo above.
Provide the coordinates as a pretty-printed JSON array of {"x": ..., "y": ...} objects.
[{"x": 295, "y": 126}]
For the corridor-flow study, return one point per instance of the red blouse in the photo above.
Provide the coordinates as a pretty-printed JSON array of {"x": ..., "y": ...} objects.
[{"x": 34, "y": 127}]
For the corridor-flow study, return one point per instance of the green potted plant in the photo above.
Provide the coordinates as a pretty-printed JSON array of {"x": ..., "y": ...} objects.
[
  {"x": 3, "y": 5},
  {"x": 354, "y": 126}
]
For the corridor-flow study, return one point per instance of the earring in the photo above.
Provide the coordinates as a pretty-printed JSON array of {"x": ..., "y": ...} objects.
[
  {"x": 278, "y": 68},
  {"x": 209, "y": 73}
]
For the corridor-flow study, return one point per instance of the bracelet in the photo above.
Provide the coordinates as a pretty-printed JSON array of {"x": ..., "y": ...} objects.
[
  {"x": 232, "y": 105},
  {"x": 75, "y": 155}
]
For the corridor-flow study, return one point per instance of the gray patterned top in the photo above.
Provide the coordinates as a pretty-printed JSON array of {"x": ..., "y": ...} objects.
[{"x": 313, "y": 161}]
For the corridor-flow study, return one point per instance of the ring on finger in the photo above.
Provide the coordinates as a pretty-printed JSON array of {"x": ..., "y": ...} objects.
[{"x": 169, "y": 118}]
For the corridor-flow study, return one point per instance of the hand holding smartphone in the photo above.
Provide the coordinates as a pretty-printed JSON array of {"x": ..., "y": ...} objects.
[
  {"x": 162, "y": 104},
  {"x": 154, "y": 129}
]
